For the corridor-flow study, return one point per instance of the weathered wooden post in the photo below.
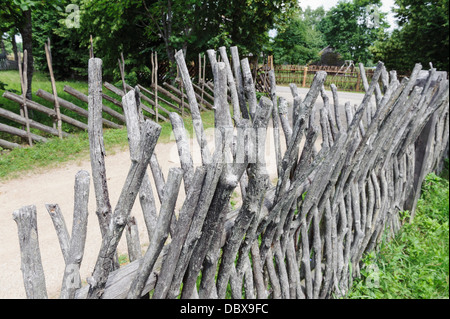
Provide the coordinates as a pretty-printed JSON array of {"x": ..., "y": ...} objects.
[
  {"x": 305, "y": 73},
  {"x": 24, "y": 86},
  {"x": 31, "y": 264},
  {"x": 55, "y": 93}
]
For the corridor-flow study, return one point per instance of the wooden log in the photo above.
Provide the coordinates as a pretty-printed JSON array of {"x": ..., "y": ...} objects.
[
  {"x": 275, "y": 120},
  {"x": 255, "y": 194},
  {"x": 122, "y": 72},
  {"x": 22, "y": 120},
  {"x": 134, "y": 123},
  {"x": 70, "y": 106},
  {"x": 202, "y": 91},
  {"x": 132, "y": 237},
  {"x": 182, "y": 228},
  {"x": 167, "y": 93},
  {"x": 119, "y": 281},
  {"x": 193, "y": 104},
  {"x": 24, "y": 134},
  {"x": 161, "y": 233},
  {"x": 305, "y": 73},
  {"x": 24, "y": 86},
  {"x": 55, "y": 93},
  {"x": 159, "y": 98},
  {"x": 112, "y": 100},
  {"x": 61, "y": 229},
  {"x": 96, "y": 145},
  {"x": 231, "y": 84},
  {"x": 9, "y": 145},
  {"x": 83, "y": 97},
  {"x": 120, "y": 93},
  {"x": 38, "y": 107},
  {"x": 31, "y": 264},
  {"x": 213, "y": 173},
  {"x": 104, "y": 264},
  {"x": 249, "y": 87},
  {"x": 71, "y": 280},
  {"x": 182, "y": 96},
  {"x": 337, "y": 114},
  {"x": 239, "y": 81},
  {"x": 145, "y": 98},
  {"x": 183, "y": 149},
  {"x": 283, "y": 115},
  {"x": 155, "y": 81}
]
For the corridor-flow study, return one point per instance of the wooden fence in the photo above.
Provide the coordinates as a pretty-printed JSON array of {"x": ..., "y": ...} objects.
[
  {"x": 300, "y": 237},
  {"x": 344, "y": 79},
  {"x": 166, "y": 97}
]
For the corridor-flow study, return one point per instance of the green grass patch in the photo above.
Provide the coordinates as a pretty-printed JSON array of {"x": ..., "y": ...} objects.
[{"x": 414, "y": 264}]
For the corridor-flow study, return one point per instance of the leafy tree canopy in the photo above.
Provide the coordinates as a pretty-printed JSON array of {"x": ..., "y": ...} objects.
[
  {"x": 352, "y": 27},
  {"x": 300, "y": 41},
  {"x": 422, "y": 36}
]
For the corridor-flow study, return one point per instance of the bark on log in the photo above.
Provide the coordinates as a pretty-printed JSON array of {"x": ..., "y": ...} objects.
[
  {"x": 104, "y": 264},
  {"x": 160, "y": 235},
  {"x": 72, "y": 280},
  {"x": 31, "y": 264},
  {"x": 82, "y": 97},
  {"x": 22, "y": 120},
  {"x": 38, "y": 107},
  {"x": 24, "y": 134},
  {"x": 96, "y": 145}
]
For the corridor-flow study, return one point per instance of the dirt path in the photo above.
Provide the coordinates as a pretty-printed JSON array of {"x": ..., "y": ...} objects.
[{"x": 56, "y": 186}]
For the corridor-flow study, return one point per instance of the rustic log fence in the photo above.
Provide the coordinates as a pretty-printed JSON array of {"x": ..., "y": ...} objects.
[
  {"x": 168, "y": 98},
  {"x": 303, "y": 75},
  {"x": 301, "y": 237}
]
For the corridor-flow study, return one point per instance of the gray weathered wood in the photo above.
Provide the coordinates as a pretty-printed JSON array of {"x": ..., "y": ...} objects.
[
  {"x": 193, "y": 105},
  {"x": 71, "y": 280},
  {"x": 17, "y": 131},
  {"x": 96, "y": 145},
  {"x": 31, "y": 264},
  {"x": 161, "y": 232},
  {"x": 105, "y": 260},
  {"x": 83, "y": 97},
  {"x": 38, "y": 107},
  {"x": 22, "y": 120}
]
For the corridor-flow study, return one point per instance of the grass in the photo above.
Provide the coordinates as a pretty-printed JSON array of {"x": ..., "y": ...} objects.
[{"x": 415, "y": 264}]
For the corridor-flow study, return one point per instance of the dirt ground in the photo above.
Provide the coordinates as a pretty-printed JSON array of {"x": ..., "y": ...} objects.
[{"x": 56, "y": 186}]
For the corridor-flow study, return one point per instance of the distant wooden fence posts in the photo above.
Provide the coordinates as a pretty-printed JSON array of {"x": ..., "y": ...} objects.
[
  {"x": 303, "y": 236},
  {"x": 348, "y": 79}
]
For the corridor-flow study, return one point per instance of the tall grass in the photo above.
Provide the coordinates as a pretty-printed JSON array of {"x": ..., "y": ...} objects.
[{"x": 414, "y": 264}]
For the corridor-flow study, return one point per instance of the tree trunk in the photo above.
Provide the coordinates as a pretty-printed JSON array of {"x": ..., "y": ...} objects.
[
  {"x": 26, "y": 32},
  {"x": 14, "y": 46}
]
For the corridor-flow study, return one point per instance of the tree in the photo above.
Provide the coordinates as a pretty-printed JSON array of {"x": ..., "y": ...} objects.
[
  {"x": 422, "y": 36},
  {"x": 352, "y": 27},
  {"x": 299, "y": 42},
  {"x": 210, "y": 24},
  {"x": 18, "y": 14}
]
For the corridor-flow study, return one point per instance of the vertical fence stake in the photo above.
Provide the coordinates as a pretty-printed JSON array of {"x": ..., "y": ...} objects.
[
  {"x": 55, "y": 93},
  {"x": 156, "y": 86},
  {"x": 304, "y": 76},
  {"x": 24, "y": 85}
]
